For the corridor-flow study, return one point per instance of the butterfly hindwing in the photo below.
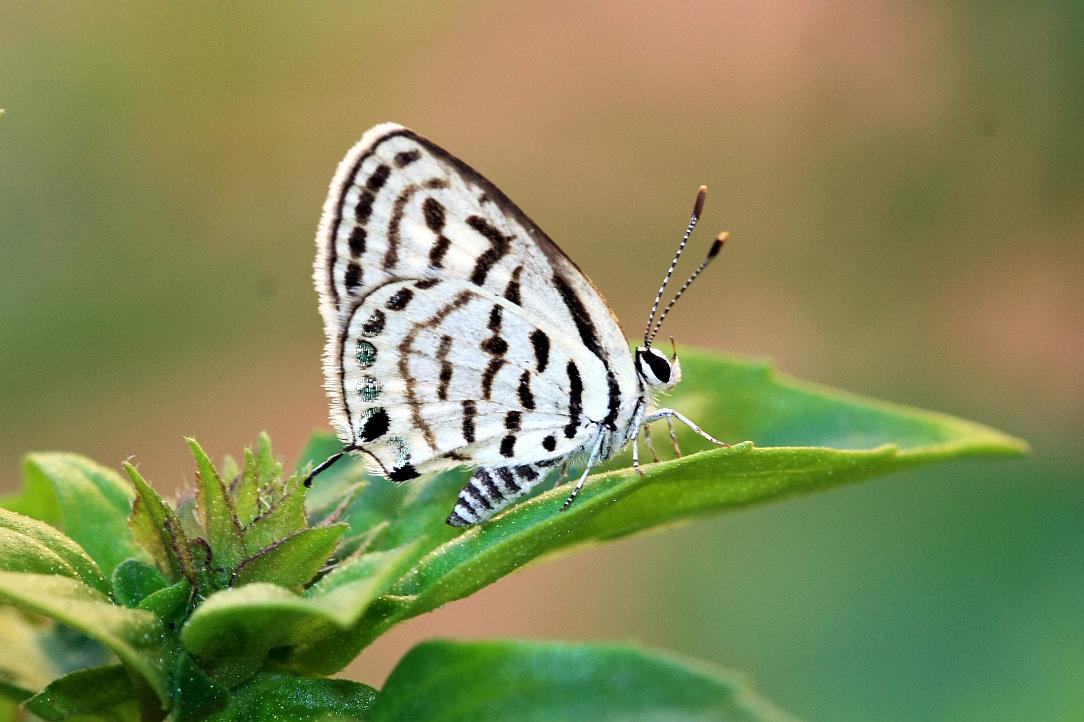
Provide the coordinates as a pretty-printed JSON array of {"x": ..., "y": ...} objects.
[{"x": 440, "y": 372}]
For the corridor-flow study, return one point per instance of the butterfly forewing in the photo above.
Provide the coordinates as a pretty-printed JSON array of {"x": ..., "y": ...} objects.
[{"x": 457, "y": 331}]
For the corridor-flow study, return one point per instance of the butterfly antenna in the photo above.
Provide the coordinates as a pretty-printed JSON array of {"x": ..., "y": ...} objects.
[
  {"x": 698, "y": 208},
  {"x": 717, "y": 246}
]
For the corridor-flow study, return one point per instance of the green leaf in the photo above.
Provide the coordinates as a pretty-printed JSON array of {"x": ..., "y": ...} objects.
[
  {"x": 29, "y": 545},
  {"x": 246, "y": 491},
  {"x": 526, "y": 681},
  {"x": 85, "y": 500},
  {"x": 294, "y": 561},
  {"x": 273, "y": 697},
  {"x": 733, "y": 399},
  {"x": 134, "y": 580},
  {"x": 103, "y": 691},
  {"x": 196, "y": 695},
  {"x": 25, "y": 665},
  {"x": 137, "y": 637},
  {"x": 169, "y": 604},
  {"x": 234, "y": 629},
  {"x": 223, "y": 531},
  {"x": 158, "y": 530},
  {"x": 286, "y": 517}
]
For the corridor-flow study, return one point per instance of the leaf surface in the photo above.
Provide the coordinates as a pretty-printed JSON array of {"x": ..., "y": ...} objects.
[
  {"x": 136, "y": 636},
  {"x": 87, "y": 501},
  {"x": 541, "y": 681},
  {"x": 280, "y": 697}
]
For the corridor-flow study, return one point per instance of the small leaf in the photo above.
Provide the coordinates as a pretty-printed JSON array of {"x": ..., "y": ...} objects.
[
  {"x": 527, "y": 681},
  {"x": 158, "y": 530},
  {"x": 223, "y": 531},
  {"x": 85, "y": 500},
  {"x": 29, "y": 545},
  {"x": 286, "y": 517},
  {"x": 134, "y": 580},
  {"x": 293, "y": 561},
  {"x": 170, "y": 603},
  {"x": 246, "y": 491},
  {"x": 103, "y": 691},
  {"x": 298, "y": 699},
  {"x": 137, "y": 637}
]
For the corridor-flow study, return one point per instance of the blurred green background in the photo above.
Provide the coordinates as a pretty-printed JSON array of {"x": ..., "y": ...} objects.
[{"x": 903, "y": 183}]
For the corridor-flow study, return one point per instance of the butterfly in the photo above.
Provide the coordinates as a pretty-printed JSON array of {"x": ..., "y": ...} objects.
[{"x": 458, "y": 333}]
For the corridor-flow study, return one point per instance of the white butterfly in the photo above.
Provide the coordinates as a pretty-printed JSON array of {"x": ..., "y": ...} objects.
[{"x": 459, "y": 333}]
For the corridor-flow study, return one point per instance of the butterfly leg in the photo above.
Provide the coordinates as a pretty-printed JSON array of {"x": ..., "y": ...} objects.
[
  {"x": 595, "y": 448},
  {"x": 638, "y": 424},
  {"x": 562, "y": 476},
  {"x": 672, "y": 414},
  {"x": 673, "y": 436}
]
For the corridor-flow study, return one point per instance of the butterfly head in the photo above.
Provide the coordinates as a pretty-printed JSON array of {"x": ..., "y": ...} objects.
[{"x": 657, "y": 371}]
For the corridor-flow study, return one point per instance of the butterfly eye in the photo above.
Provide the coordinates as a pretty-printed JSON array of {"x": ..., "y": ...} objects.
[{"x": 653, "y": 366}]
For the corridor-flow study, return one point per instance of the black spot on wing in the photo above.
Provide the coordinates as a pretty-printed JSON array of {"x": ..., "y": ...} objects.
[
  {"x": 353, "y": 276},
  {"x": 508, "y": 446},
  {"x": 614, "y": 402},
  {"x": 495, "y": 346},
  {"x": 575, "y": 399},
  {"x": 391, "y": 253},
  {"x": 489, "y": 374},
  {"x": 498, "y": 248},
  {"x": 445, "y": 367},
  {"x": 406, "y": 157},
  {"x": 399, "y": 299},
  {"x": 580, "y": 316},
  {"x": 434, "y": 214},
  {"x": 403, "y": 473},
  {"x": 438, "y": 250},
  {"x": 374, "y": 325},
  {"x": 469, "y": 412},
  {"x": 375, "y": 426},
  {"x": 541, "y": 343},
  {"x": 378, "y": 178},
  {"x": 526, "y": 398},
  {"x": 357, "y": 241},
  {"x": 511, "y": 291}
]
